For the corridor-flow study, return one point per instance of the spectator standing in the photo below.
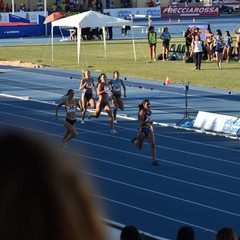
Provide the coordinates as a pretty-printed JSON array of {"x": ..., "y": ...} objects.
[
  {"x": 238, "y": 45},
  {"x": 166, "y": 37},
  {"x": 123, "y": 3},
  {"x": 152, "y": 41},
  {"x": 110, "y": 30},
  {"x": 188, "y": 40},
  {"x": 54, "y": 7},
  {"x": 209, "y": 44},
  {"x": 151, "y": 4},
  {"x": 99, "y": 6},
  {"x": 2, "y": 6},
  {"x": 7, "y": 9},
  {"x": 125, "y": 29},
  {"x": 198, "y": 51},
  {"x": 22, "y": 7},
  {"x": 110, "y": 33},
  {"x": 40, "y": 5},
  {"x": 90, "y": 4},
  {"x": 194, "y": 32},
  {"x": 218, "y": 46},
  {"x": 63, "y": 6},
  {"x": 227, "y": 50},
  {"x": 112, "y": 5},
  {"x": 174, "y": 4}
]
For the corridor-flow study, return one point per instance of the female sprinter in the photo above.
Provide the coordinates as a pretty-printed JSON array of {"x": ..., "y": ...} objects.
[
  {"x": 102, "y": 91},
  {"x": 71, "y": 105},
  {"x": 87, "y": 85},
  {"x": 145, "y": 129},
  {"x": 116, "y": 83}
]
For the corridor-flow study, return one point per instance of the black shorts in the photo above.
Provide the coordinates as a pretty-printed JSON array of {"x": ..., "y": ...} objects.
[
  {"x": 152, "y": 44},
  {"x": 220, "y": 50},
  {"x": 72, "y": 122},
  {"x": 166, "y": 42},
  {"x": 88, "y": 96}
]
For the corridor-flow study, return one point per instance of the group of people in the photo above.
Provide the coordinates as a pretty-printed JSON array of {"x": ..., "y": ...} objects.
[
  {"x": 4, "y": 8},
  {"x": 217, "y": 46},
  {"x": 104, "y": 90},
  {"x": 88, "y": 88},
  {"x": 152, "y": 41}
]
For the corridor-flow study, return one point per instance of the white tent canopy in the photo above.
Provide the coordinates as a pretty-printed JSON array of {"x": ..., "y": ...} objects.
[{"x": 93, "y": 20}]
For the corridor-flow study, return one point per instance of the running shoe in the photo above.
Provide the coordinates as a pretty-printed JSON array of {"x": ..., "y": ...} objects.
[
  {"x": 115, "y": 121},
  {"x": 113, "y": 131},
  {"x": 82, "y": 121},
  {"x": 63, "y": 146},
  {"x": 155, "y": 163},
  {"x": 89, "y": 115},
  {"x": 133, "y": 140}
]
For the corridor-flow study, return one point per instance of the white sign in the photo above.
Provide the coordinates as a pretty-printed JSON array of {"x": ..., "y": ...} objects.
[
  {"x": 4, "y": 17},
  {"x": 217, "y": 122},
  {"x": 126, "y": 12}
]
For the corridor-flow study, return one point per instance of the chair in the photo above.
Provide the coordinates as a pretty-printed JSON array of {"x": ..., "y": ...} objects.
[
  {"x": 179, "y": 48},
  {"x": 172, "y": 48},
  {"x": 183, "y": 49},
  {"x": 233, "y": 53}
]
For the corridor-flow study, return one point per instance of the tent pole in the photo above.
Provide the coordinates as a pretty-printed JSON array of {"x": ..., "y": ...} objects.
[
  {"x": 52, "y": 40},
  {"x": 104, "y": 42},
  {"x": 134, "y": 49},
  {"x": 45, "y": 14},
  {"x": 79, "y": 34},
  {"x": 13, "y": 6}
]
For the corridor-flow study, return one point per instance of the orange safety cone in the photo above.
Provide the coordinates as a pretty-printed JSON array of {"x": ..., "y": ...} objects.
[{"x": 167, "y": 81}]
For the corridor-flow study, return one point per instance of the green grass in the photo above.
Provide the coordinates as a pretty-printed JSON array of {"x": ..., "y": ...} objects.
[{"x": 120, "y": 57}]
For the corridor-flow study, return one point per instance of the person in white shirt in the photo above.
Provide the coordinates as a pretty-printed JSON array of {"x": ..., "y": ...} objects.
[{"x": 198, "y": 51}]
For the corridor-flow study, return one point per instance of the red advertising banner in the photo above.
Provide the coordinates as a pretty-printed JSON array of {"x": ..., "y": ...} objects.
[{"x": 172, "y": 12}]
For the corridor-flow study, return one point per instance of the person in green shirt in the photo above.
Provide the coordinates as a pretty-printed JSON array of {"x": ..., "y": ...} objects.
[{"x": 152, "y": 40}]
